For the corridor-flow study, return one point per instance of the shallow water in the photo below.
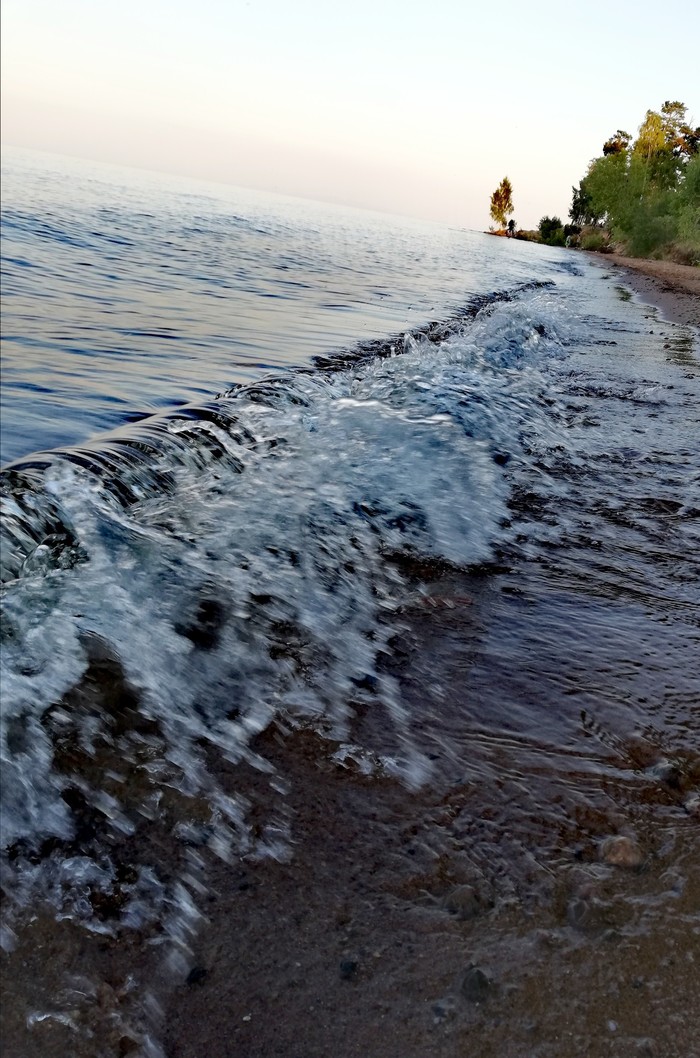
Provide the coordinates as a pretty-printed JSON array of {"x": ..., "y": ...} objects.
[{"x": 460, "y": 546}]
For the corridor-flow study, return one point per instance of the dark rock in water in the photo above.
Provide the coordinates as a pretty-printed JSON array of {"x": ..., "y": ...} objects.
[
  {"x": 621, "y": 851},
  {"x": 196, "y": 975},
  {"x": 203, "y": 626},
  {"x": 588, "y": 914},
  {"x": 476, "y": 986},
  {"x": 668, "y": 772},
  {"x": 348, "y": 969}
]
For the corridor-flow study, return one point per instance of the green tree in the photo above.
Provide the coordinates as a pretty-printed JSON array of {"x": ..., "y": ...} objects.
[
  {"x": 646, "y": 192},
  {"x": 681, "y": 139},
  {"x": 582, "y": 209},
  {"x": 687, "y": 204},
  {"x": 502, "y": 202},
  {"x": 551, "y": 231}
]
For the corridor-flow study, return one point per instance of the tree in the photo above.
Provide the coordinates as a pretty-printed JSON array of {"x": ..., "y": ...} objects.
[
  {"x": 681, "y": 139},
  {"x": 551, "y": 231},
  {"x": 502, "y": 202},
  {"x": 582, "y": 209},
  {"x": 646, "y": 191},
  {"x": 618, "y": 143}
]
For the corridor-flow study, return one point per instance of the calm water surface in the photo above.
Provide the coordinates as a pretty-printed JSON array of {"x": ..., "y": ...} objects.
[{"x": 126, "y": 292}]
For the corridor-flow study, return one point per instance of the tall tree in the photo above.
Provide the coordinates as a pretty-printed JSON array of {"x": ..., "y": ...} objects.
[
  {"x": 647, "y": 191},
  {"x": 502, "y": 202},
  {"x": 681, "y": 139},
  {"x": 618, "y": 143},
  {"x": 582, "y": 209}
]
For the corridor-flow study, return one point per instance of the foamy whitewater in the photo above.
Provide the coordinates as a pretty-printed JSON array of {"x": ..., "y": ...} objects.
[{"x": 231, "y": 423}]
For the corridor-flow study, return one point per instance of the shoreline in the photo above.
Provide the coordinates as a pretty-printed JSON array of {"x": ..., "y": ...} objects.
[{"x": 672, "y": 288}]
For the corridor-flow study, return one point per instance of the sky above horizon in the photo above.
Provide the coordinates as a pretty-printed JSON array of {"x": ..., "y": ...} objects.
[{"x": 411, "y": 108}]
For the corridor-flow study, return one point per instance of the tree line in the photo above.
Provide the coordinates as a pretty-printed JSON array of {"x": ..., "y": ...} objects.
[{"x": 642, "y": 195}]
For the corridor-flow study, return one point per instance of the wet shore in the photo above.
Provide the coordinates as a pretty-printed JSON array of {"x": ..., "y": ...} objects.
[
  {"x": 538, "y": 894},
  {"x": 673, "y": 288}
]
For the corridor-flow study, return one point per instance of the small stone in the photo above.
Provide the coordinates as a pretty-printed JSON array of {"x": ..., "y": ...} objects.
[
  {"x": 444, "y": 1010},
  {"x": 621, "y": 851},
  {"x": 476, "y": 986},
  {"x": 668, "y": 772},
  {"x": 463, "y": 902},
  {"x": 127, "y": 1045},
  {"x": 348, "y": 969},
  {"x": 196, "y": 975},
  {"x": 692, "y": 805}
]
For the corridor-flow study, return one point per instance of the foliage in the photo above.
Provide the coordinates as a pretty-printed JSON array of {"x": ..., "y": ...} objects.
[
  {"x": 618, "y": 143},
  {"x": 688, "y": 211},
  {"x": 593, "y": 240},
  {"x": 646, "y": 192},
  {"x": 502, "y": 202},
  {"x": 582, "y": 211},
  {"x": 551, "y": 231}
]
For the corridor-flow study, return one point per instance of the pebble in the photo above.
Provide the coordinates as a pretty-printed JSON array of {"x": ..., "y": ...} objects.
[
  {"x": 444, "y": 1010},
  {"x": 196, "y": 975},
  {"x": 476, "y": 986},
  {"x": 348, "y": 969},
  {"x": 692, "y": 805},
  {"x": 463, "y": 902},
  {"x": 621, "y": 851}
]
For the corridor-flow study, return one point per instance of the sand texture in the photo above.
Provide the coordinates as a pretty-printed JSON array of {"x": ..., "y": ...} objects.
[{"x": 673, "y": 288}]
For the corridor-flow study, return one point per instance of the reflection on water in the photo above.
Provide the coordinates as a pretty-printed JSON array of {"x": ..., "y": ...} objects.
[{"x": 681, "y": 347}]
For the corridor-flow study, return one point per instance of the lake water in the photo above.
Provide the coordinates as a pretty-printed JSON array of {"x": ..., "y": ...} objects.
[{"x": 431, "y": 495}]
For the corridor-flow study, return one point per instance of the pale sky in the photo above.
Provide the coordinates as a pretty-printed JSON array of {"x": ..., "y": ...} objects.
[{"x": 396, "y": 105}]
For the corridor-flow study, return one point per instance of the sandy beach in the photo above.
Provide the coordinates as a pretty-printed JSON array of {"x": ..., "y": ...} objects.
[{"x": 672, "y": 288}]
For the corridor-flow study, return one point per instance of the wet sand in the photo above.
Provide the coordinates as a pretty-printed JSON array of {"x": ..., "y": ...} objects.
[
  {"x": 522, "y": 902},
  {"x": 673, "y": 288},
  {"x": 532, "y": 898},
  {"x": 385, "y": 936}
]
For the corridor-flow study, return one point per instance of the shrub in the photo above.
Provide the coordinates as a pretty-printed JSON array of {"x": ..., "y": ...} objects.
[{"x": 594, "y": 240}]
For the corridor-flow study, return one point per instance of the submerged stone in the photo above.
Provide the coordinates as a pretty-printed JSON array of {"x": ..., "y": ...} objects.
[
  {"x": 621, "y": 851},
  {"x": 476, "y": 986}
]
